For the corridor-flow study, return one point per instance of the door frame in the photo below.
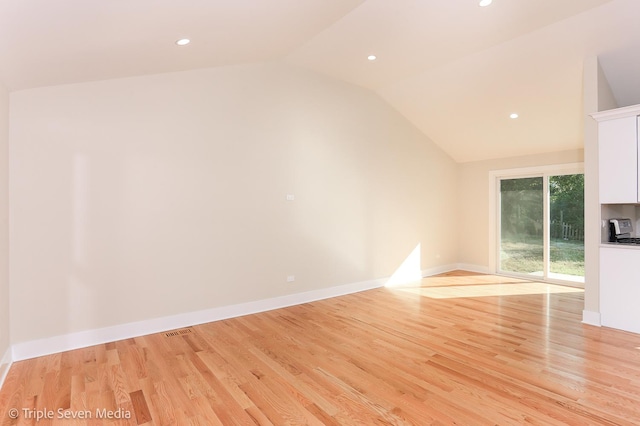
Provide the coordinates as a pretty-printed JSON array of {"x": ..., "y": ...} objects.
[{"x": 494, "y": 211}]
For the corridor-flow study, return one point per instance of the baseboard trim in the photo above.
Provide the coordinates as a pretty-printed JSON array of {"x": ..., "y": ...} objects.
[
  {"x": 591, "y": 318},
  {"x": 479, "y": 269},
  {"x": 5, "y": 365},
  {"x": 438, "y": 270},
  {"x": 455, "y": 267},
  {"x": 82, "y": 339}
]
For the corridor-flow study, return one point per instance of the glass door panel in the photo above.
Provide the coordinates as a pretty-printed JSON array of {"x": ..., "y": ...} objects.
[
  {"x": 566, "y": 215},
  {"x": 521, "y": 226}
]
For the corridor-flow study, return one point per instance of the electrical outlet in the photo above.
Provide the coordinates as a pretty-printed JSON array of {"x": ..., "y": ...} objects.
[
  {"x": 291, "y": 278},
  {"x": 291, "y": 197}
]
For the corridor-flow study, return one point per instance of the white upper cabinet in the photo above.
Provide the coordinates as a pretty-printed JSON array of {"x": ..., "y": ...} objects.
[{"x": 618, "y": 155}]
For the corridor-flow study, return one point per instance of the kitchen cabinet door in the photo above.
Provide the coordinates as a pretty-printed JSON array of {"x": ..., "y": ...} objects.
[
  {"x": 618, "y": 160},
  {"x": 620, "y": 288}
]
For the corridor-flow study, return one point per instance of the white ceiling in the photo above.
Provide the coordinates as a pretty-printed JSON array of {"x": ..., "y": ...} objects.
[{"x": 452, "y": 68}]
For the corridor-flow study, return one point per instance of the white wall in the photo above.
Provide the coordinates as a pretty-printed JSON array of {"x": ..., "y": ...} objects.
[
  {"x": 4, "y": 231},
  {"x": 145, "y": 197},
  {"x": 597, "y": 97},
  {"x": 473, "y": 202}
]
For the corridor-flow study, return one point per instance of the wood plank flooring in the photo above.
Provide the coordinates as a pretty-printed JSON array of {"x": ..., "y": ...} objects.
[{"x": 385, "y": 356}]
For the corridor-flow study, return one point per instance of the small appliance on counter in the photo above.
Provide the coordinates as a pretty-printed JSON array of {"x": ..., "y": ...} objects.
[{"x": 620, "y": 231}]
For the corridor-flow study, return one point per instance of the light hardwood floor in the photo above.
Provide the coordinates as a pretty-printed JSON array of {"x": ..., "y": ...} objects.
[{"x": 385, "y": 356}]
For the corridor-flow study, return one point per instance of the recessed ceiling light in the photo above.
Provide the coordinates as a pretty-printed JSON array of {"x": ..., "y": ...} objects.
[
  {"x": 371, "y": 57},
  {"x": 484, "y": 3},
  {"x": 514, "y": 115},
  {"x": 183, "y": 42}
]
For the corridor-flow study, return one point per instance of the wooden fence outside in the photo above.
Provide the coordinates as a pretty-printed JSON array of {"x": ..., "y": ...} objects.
[{"x": 566, "y": 231}]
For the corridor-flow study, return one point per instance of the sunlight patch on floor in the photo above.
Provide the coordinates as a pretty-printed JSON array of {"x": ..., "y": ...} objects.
[{"x": 450, "y": 292}]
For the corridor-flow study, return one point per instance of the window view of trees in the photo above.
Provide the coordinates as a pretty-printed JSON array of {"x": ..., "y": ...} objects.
[
  {"x": 566, "y": 194},
  {"x": 521, "y": 210},
  {"x": 522, "y": 217},
  {"x": 521, "y": 213},
  {"x": 566, "y": 211}
]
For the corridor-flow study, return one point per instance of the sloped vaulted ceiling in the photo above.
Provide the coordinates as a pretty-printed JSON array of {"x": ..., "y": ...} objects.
[{"x": 454, "y": 69}]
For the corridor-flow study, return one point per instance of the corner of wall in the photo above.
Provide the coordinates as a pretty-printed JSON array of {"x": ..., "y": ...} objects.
[
  {"x": 591, "y": 318},
  {"x": 597, "y": 96},
  {"x": 438, "y": 270},
  {"x": 478, "y": 269},
  {"x": 5, "y": 341}
]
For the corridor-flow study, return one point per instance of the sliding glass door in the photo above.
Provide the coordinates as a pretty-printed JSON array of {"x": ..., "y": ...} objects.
[
  {"x": 521, "y": 226},
  {"x": 566, "y": 227},
  {"x": 541, "y": 226}
]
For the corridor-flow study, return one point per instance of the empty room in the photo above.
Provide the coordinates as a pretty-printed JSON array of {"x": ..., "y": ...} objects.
[{"x": 328, "y": 212}]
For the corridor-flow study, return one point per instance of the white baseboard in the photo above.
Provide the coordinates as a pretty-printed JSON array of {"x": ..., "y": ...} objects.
[
  {"x": 5, "y": 365},
  {"x": 438, "y": 270},
  {"x": 455, "y": 267},
  {"x": 473, "y": 268},
  {"x": 591, "y": 318},
  {"x": 40, "y": 347}
]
